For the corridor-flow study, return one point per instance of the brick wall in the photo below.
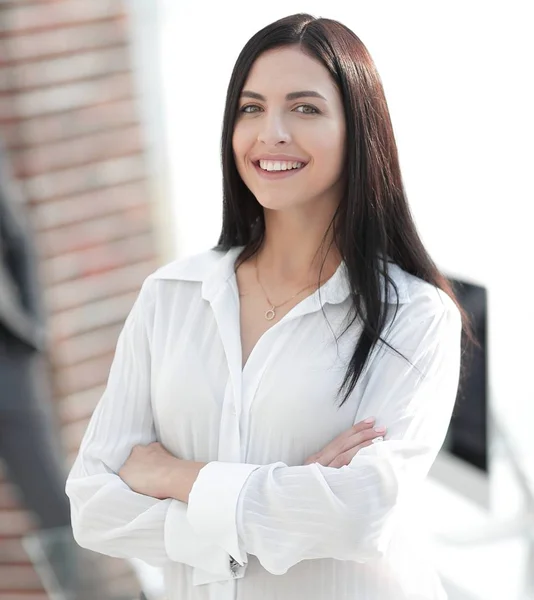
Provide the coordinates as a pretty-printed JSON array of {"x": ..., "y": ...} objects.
[{"x": 69, "y": 116}]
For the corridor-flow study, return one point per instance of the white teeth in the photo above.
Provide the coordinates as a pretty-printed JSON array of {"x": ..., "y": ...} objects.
[{"x": 278, "y": 165}]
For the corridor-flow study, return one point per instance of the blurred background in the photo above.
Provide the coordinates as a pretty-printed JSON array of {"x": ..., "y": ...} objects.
[{"x": 110, "y": 118}]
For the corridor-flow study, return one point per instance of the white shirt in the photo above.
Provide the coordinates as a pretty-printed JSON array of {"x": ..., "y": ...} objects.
[{"x": 311, "y": 532}]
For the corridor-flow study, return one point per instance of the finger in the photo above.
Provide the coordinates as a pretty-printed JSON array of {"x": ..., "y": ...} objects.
[
  {"x": 328, "y": 454},
  {"x": 344, "y": 459},
  {"x": 336, "y": 447},
  {"x": 362, "y": 425},
  {"x": 348, "y": 433},
  {"x": 361, "y": 437},
  {"x": 357, "y": 434},
  {"x": 323, "y": 459}
]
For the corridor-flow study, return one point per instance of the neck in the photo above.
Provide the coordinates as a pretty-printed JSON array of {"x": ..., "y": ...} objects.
[{"x": 293, "y": 256}]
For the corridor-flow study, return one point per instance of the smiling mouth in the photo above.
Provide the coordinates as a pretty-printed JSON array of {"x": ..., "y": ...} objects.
[
  {"x": 279, "y": 173},
  {"x": 300, "y": 162}
]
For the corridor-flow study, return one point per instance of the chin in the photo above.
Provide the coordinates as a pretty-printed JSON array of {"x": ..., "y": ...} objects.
[{"x": 278, "y": 202}]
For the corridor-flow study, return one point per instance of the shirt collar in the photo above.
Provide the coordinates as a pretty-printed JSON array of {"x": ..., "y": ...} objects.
[{"x": 213, "y": 269}]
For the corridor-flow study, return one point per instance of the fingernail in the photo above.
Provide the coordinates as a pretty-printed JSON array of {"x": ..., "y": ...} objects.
[
  {"x": 369, "y": 420},
  {"x": 380, "y": 429}
]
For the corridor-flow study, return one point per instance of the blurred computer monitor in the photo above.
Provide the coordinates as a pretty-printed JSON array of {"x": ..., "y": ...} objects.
[
  {"x": 467, "y": 438},
  {"x": 463, "y": 464}
]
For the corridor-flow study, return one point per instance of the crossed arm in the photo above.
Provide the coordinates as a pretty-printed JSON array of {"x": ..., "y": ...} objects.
[
  {"x": 153, "y": 471},
  {"x": 318, "y": 510}
]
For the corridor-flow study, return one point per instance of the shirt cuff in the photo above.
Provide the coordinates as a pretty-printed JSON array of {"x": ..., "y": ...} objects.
[
  {"x": 213, "y": 500},
  {"x": 184, "y": 545}
]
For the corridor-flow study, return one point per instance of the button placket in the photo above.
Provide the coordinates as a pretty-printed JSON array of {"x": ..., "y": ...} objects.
[
  {"x": 230, "y": 446},
  {"x": 229, "y": 429}
]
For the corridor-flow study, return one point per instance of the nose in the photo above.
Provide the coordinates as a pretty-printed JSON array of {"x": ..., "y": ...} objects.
[{"x": 273, "y": 130}]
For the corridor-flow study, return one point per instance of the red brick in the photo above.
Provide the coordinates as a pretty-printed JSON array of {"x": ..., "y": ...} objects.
[
  {"x": 78, "y": 151},
  {"x": 21, "y": 577},
  {"x": 73, "y": 434},
  {"x": 79, "y": 378},
  {"x": 74, "y": 95},
  {"x": 24, "y": 595},
  {"x": 6, "y": 82},
  {"x": 91, "y": 315},
  {"x": 97, "y": 287},
  {"x": 70, "y": 115},
  {"x": 91, "y": 205},
  {"x": 78, "y": 122},
  {"x": 78, "y": 406},
  {"x": 87, "y": 346},
  {"x": 7, "y": 109},
  {"x": 57, "y": 14},
  {"x": 4, "y": 53},
  {"x": 12, "y": 551},
  {"x": 16, "y": 522},
  {"x": 90, "y": 234},
  {"x": 65, "y": 69},
  {"x": 107, "y": 256},
  {"x": 10, "y": 133},
  {"x": 67, "y": 40},
  {"x": 83, "y": 179}
]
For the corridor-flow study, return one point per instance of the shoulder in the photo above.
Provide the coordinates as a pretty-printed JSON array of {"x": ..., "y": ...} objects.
[
  {"x": 195, "y": 267},
  {"x": 421, "y": 300},
  {"x": 427, "y": 319}
]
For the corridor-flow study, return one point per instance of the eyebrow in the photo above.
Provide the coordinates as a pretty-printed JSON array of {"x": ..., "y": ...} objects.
[{"x": 290, "y": 96}]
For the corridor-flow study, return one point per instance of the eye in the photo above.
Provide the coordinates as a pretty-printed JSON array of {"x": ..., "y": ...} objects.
[
  {"x": 309, "y": 109},
  {"x": 313, "y": 109},
  {"x": 243, "y": 109}
]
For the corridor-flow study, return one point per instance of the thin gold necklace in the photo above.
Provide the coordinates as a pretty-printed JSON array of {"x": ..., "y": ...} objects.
[{"x": 271, "y": 313}]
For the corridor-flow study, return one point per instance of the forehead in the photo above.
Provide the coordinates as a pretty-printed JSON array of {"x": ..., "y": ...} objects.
[{"x": 284, "y": 70}]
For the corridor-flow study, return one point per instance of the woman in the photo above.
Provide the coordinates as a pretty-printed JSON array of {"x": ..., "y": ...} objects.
[{"x": 238, "y": 442}]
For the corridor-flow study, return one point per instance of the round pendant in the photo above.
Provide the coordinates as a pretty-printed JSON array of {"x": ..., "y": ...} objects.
[{"x": 270, "y": 314}]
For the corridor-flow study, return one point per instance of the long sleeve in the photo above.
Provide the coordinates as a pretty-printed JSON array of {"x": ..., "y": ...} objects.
[
  {"x": 285, "y": 514},
  {"x": 107, "y": 516}
]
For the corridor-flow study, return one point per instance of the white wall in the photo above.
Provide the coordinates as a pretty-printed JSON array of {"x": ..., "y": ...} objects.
[
  {"x": 145, "y": 25},
  {"x": 456, "y": 76}
]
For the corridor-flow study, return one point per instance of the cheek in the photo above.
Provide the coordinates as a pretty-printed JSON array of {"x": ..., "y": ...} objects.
[
  {"x": 323, "y": 139},
  {"x": 334, "y": 149},
  {"x": 240, "y": 146},
  {"x": 329, "y": 155},
  {"x": 242, "y": 138}
]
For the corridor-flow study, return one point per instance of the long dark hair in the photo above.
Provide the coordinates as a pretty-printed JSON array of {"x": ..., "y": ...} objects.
[{"x": 373, "y": 217}]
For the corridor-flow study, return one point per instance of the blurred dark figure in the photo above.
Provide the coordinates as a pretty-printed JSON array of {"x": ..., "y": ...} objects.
[{"x": 29, "y": 439}]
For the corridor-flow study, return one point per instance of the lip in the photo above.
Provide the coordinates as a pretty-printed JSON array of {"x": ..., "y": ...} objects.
[
  {"x": 281, "y": 157},
  {"x": 273, "y": 175}
]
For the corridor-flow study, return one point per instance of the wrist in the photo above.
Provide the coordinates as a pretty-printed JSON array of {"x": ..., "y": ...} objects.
[
  {"x": 182, "y": 477},
  {"x": 172, "y": 478}
]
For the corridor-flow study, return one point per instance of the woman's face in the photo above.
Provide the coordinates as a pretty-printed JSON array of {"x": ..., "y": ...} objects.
[{"x": 290, "y": 111}]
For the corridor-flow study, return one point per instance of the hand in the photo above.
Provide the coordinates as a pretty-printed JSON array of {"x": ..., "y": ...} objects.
[
  {"x": 340, "y": 451},
  {"x": 150, "y": 470}
]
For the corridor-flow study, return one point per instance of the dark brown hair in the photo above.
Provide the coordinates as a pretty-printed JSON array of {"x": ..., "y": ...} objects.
[{"x": 373, "y": 217}]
